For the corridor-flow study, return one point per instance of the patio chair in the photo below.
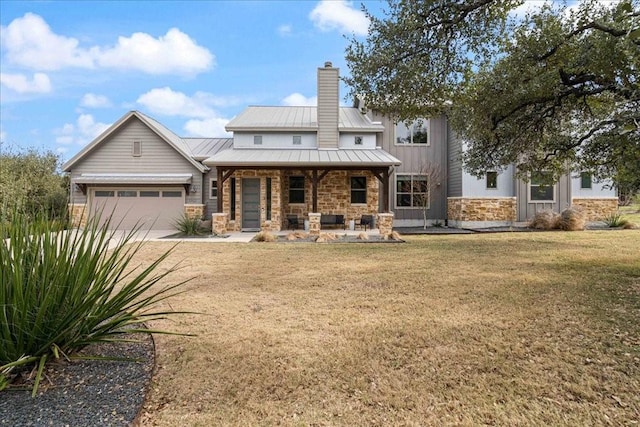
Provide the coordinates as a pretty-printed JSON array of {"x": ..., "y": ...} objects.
[
  {"x": 366, "y": 220},
  {"x": 292, "y": 222}
]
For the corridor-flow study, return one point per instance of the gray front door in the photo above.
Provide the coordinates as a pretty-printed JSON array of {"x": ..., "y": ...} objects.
[{"x": 251, "y": 203}]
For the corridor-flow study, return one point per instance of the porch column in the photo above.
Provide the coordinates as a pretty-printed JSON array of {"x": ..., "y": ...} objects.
[
  {"x": 314, "y": 224},
  {"x": 220, "y": 190},
  {"x": 385, "y": 223}
]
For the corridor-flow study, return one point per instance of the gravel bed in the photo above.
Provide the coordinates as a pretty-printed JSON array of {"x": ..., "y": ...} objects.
[{"x": 91, "y": 393}]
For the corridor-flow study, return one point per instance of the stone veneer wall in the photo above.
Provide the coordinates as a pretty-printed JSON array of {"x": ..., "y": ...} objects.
[
  {"x": 77, "y": 215},
  {"x": 219, "y": 223},
  {"x": 385, "y": 223},
  {"x": 481, "y": 209},
  {"x": 275, "y": 224},
  {"x": 334, "y": 195},
  {"x": 596, "y": 209},
  {"x": 194, "y": 211}
]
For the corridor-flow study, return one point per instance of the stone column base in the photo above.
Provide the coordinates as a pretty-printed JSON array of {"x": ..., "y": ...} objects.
[
  {"x": 77, "y": 215},
  {"x": 385, "y": 223},
  {"x": 314, "y": 224},
  {"x": 219, "y": 223}
]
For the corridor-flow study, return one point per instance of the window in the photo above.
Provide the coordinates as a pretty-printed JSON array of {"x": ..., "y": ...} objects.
[
  {"x": 99, "y": 193},
  {"x": 585, "y": 181},
  {"x": 297, "y": 140},
  {"x": 412, "y": 191},
  {"x": 358, "y": 189},
  {"x": 358, "y": 140},
  {"x": 137, "y": 149},
  {"x": 149, "y": 194},
  {"x": 492, "y": 180},
  {"x": 213, "y": 188},
  {"x": 415, "y": 133},
  {"x": 232, "y": 201},
  {"x": 257, "y": 139},
  {"x": 127, "y": 193},
  {"x": 541, "y": 188},
  {"x": 296, "y": 189},
  {"x": 172, "y": 194},
  {"x": 268, "y": 199}
]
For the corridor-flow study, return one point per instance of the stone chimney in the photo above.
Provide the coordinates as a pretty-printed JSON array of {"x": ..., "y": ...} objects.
[{"x": 328, "y": 106}]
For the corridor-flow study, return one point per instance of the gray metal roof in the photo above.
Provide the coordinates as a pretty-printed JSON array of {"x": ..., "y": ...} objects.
[
  {"x": 302, "y": 157},
  {"x": 202, "y": 148},
  {"x": 136, "y": 178},
  {"x": 298, "y": 119}
]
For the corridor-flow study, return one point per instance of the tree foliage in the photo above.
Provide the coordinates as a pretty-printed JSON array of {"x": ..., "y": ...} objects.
[
  {"x": 31, "y": 181},
  {"x": 558, "y": 87}
]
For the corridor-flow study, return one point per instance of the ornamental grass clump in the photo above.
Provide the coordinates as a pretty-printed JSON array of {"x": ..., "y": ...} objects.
[{"x": 62, "y": 290}]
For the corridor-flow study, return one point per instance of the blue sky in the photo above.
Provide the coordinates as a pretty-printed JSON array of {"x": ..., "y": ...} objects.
[{"x": 70, "y": 69}]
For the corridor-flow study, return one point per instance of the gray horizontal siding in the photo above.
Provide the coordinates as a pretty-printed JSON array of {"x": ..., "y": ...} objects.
[
  {"x": 455, "y": 165},
  {"x": 115, "y": 156}
]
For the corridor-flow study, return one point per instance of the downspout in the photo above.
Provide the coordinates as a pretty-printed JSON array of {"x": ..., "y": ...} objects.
[{"x": 446, "y": 173}]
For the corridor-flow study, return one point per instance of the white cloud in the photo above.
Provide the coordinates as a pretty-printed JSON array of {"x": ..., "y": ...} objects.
[
  {"x": 91, "y": 100},
  {"x": 20, "y": 83},
  {"x": 339, "y": 15},
  {"x": 173, "y": 53},
  {"x": 29, "y": 42},
  {"x": 82, "y": 132},
  {"x": 3, "y": 136},
  {"x": 168, "y": 102},
  {"x": 210, "y": 127},
  {"x": 297, "y": 99},
  {"x": 285, "y": 30}
]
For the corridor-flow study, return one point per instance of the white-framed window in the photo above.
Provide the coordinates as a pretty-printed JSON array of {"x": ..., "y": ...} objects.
[
  {"x": 136, "y": 149},
  {"x": 585, "y": 181},
  {"x": 492, "y": 180},
  {"x": 357, "y": 140},
  {"x": 213, "y": 188},
  {"x": 257, "y": 139},
  {"x": 412, "y": 191},
  {"x": 413, "y": 133},
  {"x": 297, "y": 140},
  {"x": 541, "y": 187},
  {"x": 358, "y": 190}
]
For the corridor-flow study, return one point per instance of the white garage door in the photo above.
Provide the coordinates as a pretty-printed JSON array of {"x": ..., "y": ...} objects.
[{"x": 151, "y": 208}]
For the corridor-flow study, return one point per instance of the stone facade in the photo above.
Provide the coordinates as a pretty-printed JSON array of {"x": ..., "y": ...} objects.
[
  {"x": 77, "y": 215},
  {"x": 385, "y": 223},
  {"x": 596, "y": 209},
  {"x": 194, "y": 211},
  {"x": 334, "y": 197},
  {"x": 482, "y": 209},
  {"x": 219, "y": 223}
]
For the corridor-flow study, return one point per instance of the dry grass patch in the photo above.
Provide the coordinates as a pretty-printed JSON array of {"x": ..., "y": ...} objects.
[{"x": 500, "y": 329}]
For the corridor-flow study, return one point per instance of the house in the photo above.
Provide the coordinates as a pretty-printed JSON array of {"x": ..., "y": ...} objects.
[{"x": 305, "y": 161}]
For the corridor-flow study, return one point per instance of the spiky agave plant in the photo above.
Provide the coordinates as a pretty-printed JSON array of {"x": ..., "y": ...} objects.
[{"x": 61, "y": 290}]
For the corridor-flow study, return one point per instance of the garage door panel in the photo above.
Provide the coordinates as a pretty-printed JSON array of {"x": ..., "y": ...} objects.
[{"x": 157, "y": 208}]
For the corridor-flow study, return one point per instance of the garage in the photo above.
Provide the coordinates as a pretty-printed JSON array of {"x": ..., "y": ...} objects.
[{"x": 152, "y": 208}]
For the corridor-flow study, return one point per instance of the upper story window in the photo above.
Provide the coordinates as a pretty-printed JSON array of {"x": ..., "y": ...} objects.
[
  {"x": 297, "y": 140},
  {"x": 413, "y": 133},
  {"x": 357, "y": 140},
  {"x": 585, "y": 181},
  {"x": 257, "y": 139},
  {"x": 296, "y": 189},
  {"x": 136, "y": 150},
  {"x": 541, "y": 187},
  {"x": 492, "y": 180}
]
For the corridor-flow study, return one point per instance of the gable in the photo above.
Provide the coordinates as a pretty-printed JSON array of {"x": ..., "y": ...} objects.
[{"x": 114, "y": 153}]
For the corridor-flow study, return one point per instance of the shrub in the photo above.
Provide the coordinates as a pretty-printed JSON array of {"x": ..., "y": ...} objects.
[
  {"x": 571, "y": 219},
  {"x": 545, "y": 220},
  {"x": 265, "y": 236},
  {"x": 615, "y": 220},
  {"x": 190, "y": 226},
  {"x": 62, "y": 290}
]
